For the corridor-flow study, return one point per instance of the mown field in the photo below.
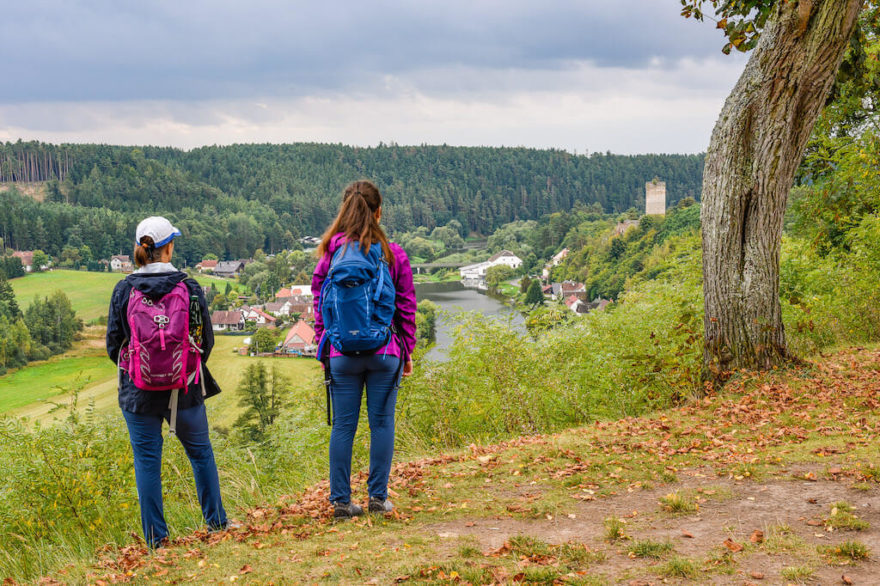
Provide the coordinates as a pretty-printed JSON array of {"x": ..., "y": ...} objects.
[
  {"x": 89, "y": 293},
  {"x": 33, "y": 391}
]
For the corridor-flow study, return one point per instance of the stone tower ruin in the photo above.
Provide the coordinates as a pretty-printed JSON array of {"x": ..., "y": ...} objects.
[{"x": 655, "y": 197}]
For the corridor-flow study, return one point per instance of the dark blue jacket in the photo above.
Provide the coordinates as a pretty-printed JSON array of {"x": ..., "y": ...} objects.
[{"x": 155, "y": 286}]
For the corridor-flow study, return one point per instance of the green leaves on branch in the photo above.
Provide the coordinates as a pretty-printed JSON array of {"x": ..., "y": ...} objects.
[{"x": 741, "y": 20}]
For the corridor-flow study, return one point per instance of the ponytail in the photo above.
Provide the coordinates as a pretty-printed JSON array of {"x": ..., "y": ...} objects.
[
  {"x": 146, "y": 252},
  {"x": 357, "y": 220}
]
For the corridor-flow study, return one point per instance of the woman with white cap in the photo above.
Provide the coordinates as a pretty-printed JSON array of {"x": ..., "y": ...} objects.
[{"x": 159, "y": 334}]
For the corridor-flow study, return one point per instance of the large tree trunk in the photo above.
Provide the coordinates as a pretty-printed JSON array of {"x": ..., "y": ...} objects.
[{"x": 756, "y": 147}]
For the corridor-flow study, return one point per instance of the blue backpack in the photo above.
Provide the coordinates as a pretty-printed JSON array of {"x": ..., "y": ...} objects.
[{"x": 357, "y": 301}]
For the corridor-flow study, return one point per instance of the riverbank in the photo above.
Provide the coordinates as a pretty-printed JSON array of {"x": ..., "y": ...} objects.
[{"x": 453, "y": 299}]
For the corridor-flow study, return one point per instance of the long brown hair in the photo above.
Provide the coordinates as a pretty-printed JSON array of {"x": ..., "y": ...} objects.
[{"x": 357, "y": 220}]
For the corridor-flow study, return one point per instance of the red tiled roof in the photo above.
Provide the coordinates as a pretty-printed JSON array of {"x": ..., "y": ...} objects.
[{"x": 303, "y": 330}]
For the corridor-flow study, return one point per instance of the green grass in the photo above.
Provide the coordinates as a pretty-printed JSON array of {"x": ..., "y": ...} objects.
[
  {"x": 797, "y": 573},
  {"x": 614, "y": 529},
  {"x": 24, "y": 392},
  {"x": 842, "y": 517},
  {"x": 89, "y": 293},
  {"x": 47, "y": 379},
  {"x": 846, "y": 551},
  {"x": 679, "y": 502},
  {"x": 679, "y": 567},
  {"x": 650, "y": 549}
]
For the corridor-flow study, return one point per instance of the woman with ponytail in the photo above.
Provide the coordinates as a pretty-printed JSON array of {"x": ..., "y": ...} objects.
[
  {"x": 155, "y": 384},
  {"x": 357, "y": 223}
]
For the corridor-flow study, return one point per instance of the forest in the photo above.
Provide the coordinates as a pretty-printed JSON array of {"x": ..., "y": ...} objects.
[{"x": 233, "y": 200}]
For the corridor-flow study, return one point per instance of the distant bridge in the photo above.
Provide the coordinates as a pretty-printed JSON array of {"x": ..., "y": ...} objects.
[{"x": 438, "y": 265}]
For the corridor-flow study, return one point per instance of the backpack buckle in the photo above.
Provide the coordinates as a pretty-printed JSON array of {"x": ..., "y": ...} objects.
[{"x": 161, "y": 320}]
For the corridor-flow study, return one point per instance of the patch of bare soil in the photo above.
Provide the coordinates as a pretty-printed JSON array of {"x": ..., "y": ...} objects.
[
  {"x": 35, "y": 190},
  {"x": 728, "y": 510}
]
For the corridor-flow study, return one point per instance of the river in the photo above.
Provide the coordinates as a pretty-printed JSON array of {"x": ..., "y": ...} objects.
[{"x": 454, "y": 297}]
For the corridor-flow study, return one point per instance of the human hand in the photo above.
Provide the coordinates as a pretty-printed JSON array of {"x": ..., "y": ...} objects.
[{"x": 408, "y": 368}]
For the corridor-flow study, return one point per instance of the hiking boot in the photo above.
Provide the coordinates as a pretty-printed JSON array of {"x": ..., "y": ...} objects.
[
  {"x": 231, "y": 525},
  {"x": 347, "y": 510},
  {"x": 378, "y": 505}
]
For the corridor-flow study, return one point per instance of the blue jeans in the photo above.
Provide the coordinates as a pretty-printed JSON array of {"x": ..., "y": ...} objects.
[
  {"x": 379, "y": 373},
  {"x": 145, "y": 432}
]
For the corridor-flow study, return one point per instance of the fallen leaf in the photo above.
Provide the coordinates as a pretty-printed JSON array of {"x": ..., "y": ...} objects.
[
  {"x": 757, "y": 536},
  {"x": 245, "y": 569},
  {"x": 757, "y": 575},
  {"x": 687, "y": 534},
  {"x": 846, "y": 579},
  {"x": 815, "y": 522},
  {"x": 732, "y": 545}
]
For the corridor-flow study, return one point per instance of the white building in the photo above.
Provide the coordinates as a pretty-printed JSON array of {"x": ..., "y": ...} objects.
[
  {"x": 121, "y": 262},
  {"x": 475, "y": 275},
  {"x": 554, "y": 261}
]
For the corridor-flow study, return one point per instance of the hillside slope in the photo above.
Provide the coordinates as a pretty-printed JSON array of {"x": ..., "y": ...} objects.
[{"x": 774, "y": 479}]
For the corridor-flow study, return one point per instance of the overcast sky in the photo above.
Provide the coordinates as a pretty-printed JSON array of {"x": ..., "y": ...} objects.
[{"x": 630, "y": 76}]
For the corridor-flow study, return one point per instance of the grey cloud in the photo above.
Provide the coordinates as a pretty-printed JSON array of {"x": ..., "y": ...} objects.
[{"x": 199, "y": 49}]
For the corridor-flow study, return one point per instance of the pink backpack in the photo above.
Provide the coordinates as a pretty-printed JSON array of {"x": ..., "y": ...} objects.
[{"x": 161, "y": 354}]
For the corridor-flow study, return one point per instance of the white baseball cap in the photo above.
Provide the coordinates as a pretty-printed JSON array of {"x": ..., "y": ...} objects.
[{"x": 157, "y": 228}]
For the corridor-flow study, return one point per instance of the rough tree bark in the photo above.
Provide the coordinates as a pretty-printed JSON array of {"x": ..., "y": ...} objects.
[{"x": 756, "y": 147}]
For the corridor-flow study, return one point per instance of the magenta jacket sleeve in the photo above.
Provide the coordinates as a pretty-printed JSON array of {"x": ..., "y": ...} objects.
[
  {"x": 317, "y": 282},
  {"x": 405, "y": 316}
]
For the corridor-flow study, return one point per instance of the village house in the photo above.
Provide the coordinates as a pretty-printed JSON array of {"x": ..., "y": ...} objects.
[
  {"x": 566, "y": 289},
  {"x": 293, "y": 291},
  {"x": 578, "y": 305},
  {"x": 554, "y": 261},
  {"x": 574, "y": 304},
  {"x": 229, "y": 268},
  {"x": 121, "y": 262},
  {"x": 475, "y": 275},
  {"x": 227, "y": 321},
  {"x": 27, "y": 259},
  {"x": 278, "y": 308},
  {"x": 505, "y": 257},
  {"x": 573, "y": 288},
  {"x": 299, "y": 340},
  {"x": 207, "y": 266},
  {"x": 302, "y": 305},
  {"x": 257, "y": 317}
]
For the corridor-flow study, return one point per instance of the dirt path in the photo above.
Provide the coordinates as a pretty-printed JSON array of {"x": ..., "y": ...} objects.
[{"x": 790, "y": 511}]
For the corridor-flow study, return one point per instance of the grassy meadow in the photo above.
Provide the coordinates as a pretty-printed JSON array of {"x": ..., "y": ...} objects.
[
  {"x": 33, "y": 391},
  {"x": 89, "y": 293}
]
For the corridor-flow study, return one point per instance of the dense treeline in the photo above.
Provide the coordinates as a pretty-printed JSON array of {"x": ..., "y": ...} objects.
[
  {"x": 234, "y": 200},
  {"x": 47, "y": 327}
]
